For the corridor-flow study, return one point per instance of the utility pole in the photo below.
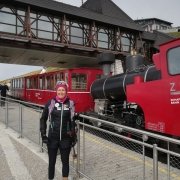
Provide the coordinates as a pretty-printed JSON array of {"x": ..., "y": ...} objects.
[{"x": 82, "y": 2}]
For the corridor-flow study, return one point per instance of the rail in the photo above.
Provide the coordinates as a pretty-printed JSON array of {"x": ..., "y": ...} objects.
[{"x": 139, "y": 154}]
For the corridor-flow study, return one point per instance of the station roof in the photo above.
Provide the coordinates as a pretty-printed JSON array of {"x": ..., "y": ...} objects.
[
  {"x": 161, "y": 38},
  {"x": 157, "y": 37},
  {"x": 103, "y": 11}
]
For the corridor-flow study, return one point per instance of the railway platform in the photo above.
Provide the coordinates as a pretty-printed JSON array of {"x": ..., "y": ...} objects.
[
  {"x": 21, "y": 159},
  {"x": 102, "y": 155}
]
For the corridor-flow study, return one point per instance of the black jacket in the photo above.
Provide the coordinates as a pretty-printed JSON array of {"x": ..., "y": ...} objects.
[
  {"x": 61, "y": 119},
  {"x": 4, "y": 90}
]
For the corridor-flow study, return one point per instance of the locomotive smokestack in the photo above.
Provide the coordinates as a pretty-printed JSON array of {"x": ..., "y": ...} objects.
[
  {"x": 106, "y": 59},
  {"x": 133, "y": 62}
]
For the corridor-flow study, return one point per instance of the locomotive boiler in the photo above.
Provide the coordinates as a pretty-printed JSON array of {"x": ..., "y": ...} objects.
[
  {"x": 113, "y": 88},
  {"x": 145, "y": 97}
]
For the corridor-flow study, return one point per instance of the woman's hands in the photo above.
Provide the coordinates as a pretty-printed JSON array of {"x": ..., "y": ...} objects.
[{"x": 44, "y": 138}]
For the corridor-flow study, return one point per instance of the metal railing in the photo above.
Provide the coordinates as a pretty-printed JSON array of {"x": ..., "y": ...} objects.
[
  {"x": 131, "y": 154},
  {"x": 101, "y": 152},
  {"x": 23, "y": 117}
]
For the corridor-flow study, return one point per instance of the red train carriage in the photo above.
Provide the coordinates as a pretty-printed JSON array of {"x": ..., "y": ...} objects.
[{"x": 39, "y": 88}]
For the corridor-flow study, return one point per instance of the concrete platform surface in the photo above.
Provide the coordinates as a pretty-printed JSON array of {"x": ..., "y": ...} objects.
[{"x": 21, "y": 159}]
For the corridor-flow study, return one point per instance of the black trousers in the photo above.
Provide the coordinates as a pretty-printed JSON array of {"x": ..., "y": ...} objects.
[
  {"x": 3, "y": 100},
  {"x": 65, "y": 147}
]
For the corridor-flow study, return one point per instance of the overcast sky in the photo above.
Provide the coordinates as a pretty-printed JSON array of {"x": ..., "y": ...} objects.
[{"x": 167, "y": 10}]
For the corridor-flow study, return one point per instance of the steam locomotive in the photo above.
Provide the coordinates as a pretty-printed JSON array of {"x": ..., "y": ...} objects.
[{"x": 145, "y": 97}]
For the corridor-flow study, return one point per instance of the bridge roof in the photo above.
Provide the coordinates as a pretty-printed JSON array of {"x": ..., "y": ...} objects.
[
  {"x": 44, "y": 52},
  {"x": 103, "y": 11}
]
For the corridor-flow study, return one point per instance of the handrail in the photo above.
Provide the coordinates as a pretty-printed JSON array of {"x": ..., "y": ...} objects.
[
  {"x": 24, "y": 102},
  {"x": 142, "y": 132}
]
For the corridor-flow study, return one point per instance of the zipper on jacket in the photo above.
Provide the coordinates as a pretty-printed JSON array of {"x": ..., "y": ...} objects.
[
  {"x": 51, "y": 126},
  {"x": 62, "y": 109},
  {"x": 51, "y": 123}
]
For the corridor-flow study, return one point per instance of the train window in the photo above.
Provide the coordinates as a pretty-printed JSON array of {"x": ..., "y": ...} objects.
[
  {"x": 31, "y": 83},
  {"x": 50, "y": 82},
  {"x": 28, "y": 83},
  {"x": 59, "y": 77},
  {"x": 20, "y": 83},
  {"x": 41, "y": 83},
  {"x": 79, "y": 81},
  {"x": 47, "y": 82},
  {"x": 16, "y": 85},
  {"x": 66, "y": 77},
  {"x": 35, "y": 83},
  {"x": 174, "y": 61},
  {"x": 12, "y": 83}
]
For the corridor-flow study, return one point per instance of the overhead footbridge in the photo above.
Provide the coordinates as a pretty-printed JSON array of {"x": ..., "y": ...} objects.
[{"x": 50, "y": 33}]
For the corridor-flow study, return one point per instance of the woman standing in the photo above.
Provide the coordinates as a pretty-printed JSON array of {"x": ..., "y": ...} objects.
[{"x": 60, "y": 111}]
